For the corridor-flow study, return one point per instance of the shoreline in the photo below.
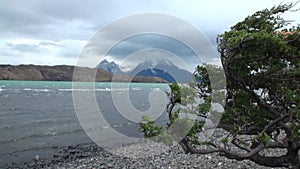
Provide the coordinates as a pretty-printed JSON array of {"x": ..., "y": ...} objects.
[
  {"x": 90, "y": 155},
  {"x": 68, "y": 73}
]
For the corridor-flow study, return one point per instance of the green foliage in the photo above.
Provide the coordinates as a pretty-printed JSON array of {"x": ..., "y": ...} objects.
[
  {"x": 267, "y": 20},
  {"x": 260, "y": 61},
  {"x": 165, "y": 138},
  {"x": 192, "y": 134},
  {"x": 176, "y": 92},
  {"x": 192, "y": 100},
  {"x": 225, "y": 140},
  {"x": 295, "y": 128},
  {"x": 181, "y": 125},
  {"x": 149, "y": 128},
  {"x": 187, "y": 95},
  {"x": 263, "y": 138},
  {"x": 216, "y": 76}
]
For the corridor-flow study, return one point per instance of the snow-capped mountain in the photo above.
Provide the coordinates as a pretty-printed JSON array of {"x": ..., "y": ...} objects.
[
  {"x": 111, "y": 67},
  {"x": 157, "y": 73},
  {"x": 158, "y": 68},
  {"x": 163, "y": 69}
]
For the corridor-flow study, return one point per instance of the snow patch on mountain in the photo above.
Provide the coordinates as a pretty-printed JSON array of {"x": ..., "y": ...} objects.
[{"x": 111, "y": 67}]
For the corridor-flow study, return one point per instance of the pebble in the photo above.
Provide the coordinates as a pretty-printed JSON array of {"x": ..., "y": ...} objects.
[
  {"x": 36, "y": 157},
  {"x": 91, "y": 156},
  {"x": 109, "y": 166}
]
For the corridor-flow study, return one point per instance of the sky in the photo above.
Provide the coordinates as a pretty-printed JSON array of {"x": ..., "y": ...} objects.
[{"x": 55, "y": 32}]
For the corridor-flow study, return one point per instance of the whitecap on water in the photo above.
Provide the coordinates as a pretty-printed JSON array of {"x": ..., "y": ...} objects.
[
  {"x": 37, "y": 90},
  {"x": 94, "y": 90},
  {"x": 65, "y": 90},
  {"x": 41, "y": 90},
  {"x": 103, "y": 90}
]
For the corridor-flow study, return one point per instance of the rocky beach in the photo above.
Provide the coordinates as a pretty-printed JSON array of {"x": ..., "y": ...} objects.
[{"x": 92, "y": 156}]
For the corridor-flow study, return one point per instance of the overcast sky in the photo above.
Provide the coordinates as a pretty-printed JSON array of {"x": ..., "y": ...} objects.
[{"x": 54, "y": 32}]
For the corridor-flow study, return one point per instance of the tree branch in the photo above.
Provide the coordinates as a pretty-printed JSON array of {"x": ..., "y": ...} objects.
[{"x": 267, "y": 127}]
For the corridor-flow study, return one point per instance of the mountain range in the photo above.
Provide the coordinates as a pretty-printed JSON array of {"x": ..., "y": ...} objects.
[
  {"x": 159, "y": 71},
  {"x": 150, "y": 68}
]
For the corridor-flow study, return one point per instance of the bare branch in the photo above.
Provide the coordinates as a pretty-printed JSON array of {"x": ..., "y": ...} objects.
[
  {"x": 275, "y": 122},
  {"x": 234, "y": 142}
]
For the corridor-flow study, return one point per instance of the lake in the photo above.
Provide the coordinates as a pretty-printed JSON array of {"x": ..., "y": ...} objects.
[{"x": 38, "y": 117}]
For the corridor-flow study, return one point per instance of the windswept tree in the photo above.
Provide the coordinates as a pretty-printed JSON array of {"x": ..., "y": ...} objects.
[{"x": 261, "y": 62}]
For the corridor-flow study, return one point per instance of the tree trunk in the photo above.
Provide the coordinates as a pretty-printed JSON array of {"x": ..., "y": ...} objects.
[{"x": 293, "y": 155}]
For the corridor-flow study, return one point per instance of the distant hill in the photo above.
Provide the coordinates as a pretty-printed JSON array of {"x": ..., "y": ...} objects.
[{"x": 65, "y": 73}]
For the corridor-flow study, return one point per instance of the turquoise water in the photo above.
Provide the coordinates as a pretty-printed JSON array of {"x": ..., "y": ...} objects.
[
  {"x": 60, "y": 85},
  {"x": 38, "y": 117}
]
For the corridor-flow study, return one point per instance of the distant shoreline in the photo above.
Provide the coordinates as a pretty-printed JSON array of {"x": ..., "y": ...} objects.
[
  {"x": 66, "y": 73},
  {"x": 83, "y": 81}
]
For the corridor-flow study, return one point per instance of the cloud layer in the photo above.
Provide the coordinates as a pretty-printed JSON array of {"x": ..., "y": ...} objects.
[{"x": 55, "y": 31}]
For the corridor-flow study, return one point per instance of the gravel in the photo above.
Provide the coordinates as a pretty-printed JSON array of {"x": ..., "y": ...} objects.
[{"x": 155, "y": 155}]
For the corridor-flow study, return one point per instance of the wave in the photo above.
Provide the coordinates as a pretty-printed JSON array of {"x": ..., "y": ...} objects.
[
  {"x": 47, "y": 134},
  {"x": 1, "y": 88},
  {"x": 37, "y": 90},
  {"x": 94, "y": 90},
  {"x": 72, "y": 90},
  {"x": 80, "y": 90},
  {"x": 84, "y": 90},
  {"x": 42, "y": 90},
  {"x": 36, "y": 122},
  {"x": 50, "y": 134},
  {"x": 59, "y": 147},
  {"x": 156, "y": 89}
]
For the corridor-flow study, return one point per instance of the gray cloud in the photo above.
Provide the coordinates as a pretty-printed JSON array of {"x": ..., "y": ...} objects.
[
  {"x": 55, "y": 21},
  {"x": 165, "y": 32},
  {"x": 48, "y": 19},
  {"x": 44, "y": 43},
  {"x": 151, "y": 31},
  {"x": 146, "y": 41},
  {"x": 66, "y": 19},
  {"x": 24, "y": 47}
]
